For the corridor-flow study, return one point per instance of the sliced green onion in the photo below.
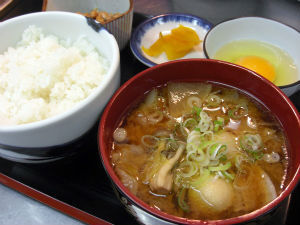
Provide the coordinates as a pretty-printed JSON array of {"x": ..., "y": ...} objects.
[
  {"x": 221, "y": 167},
  {"x": 257, "y": 155},
  {"x": 188, "y": 169},
  {"x": 205, "y": 123},
  {"x": 213, "y": 149},
  {"x": 218, "y": 123},
  {"x": 238, "y": 111},
  {"x": 207, "y": 135},
  {"x": 221, "y": 120},
  {"x": 197, "y": 129},
  {"x": 197, "y": 110},
  {"x": 155, "y": 117},
  {"x": 191, "y": 147},
  {"x": 213, "y": 100},
  {"x": 184, "y": 130},
  {"x": 197, "y": 155},
  {"x": 149, "y": 141},
  {"x": 238, "y": 160},
  {"x": 205, "y": 144},
  {"x": 181, "y": 202},
  {"x": 231, "y": 113},
  {"x": 194, "y": 137},
  {"x": 251, "y": 142},
  {"x": 216, "y": 127},
  {"x": 216, "y": 151},
  {"x": 228, "y": 175},
  {"x": 194, "y": 101},
  {"x": 204, "y": 162},
  {"x": 213, "y": 162},
  {"x": 190, "y": 123}
]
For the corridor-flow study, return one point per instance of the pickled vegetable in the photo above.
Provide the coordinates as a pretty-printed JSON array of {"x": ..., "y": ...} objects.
[{"x": 177, "y": 44}]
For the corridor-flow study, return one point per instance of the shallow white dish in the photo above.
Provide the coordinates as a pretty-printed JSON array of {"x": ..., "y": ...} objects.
[
  {"x": 35, "y": 140},
  {"x": 261, "y": 29},
  {"x": 148, "y": 32}
]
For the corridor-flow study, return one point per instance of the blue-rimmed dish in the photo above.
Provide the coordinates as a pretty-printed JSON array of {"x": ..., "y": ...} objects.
[{"x": 148, "y": 32}]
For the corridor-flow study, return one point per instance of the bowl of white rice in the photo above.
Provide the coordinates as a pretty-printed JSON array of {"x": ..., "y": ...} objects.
[{"x": 57, "y": 72}]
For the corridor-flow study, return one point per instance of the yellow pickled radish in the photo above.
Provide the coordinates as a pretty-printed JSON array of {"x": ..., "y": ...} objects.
[{"x": 177, "y": 44}]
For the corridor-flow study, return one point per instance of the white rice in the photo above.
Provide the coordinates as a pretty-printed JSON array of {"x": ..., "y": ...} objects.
[{"x": 45, "y": 76}]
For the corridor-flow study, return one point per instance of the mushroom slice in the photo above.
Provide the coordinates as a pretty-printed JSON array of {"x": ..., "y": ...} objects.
[{"x": 162, "y": 181}]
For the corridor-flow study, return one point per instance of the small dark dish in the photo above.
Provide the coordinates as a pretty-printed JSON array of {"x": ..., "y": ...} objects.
[{"x": 120, "y": 27}]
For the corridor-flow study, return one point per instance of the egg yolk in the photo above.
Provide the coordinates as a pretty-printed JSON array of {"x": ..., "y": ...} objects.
[
  {"x": 177, "y": 44},
  {"x": 258, "y": 65}
]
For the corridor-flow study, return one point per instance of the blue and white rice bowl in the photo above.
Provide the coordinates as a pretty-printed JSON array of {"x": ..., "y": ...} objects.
[{"x": 148, "y": 32}]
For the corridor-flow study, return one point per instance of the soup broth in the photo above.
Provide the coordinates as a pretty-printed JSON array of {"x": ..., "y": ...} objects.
[{"x": 200, "y": 151}]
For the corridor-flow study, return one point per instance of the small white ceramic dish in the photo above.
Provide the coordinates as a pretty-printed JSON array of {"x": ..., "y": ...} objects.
[
  {"x": 120, "y": 27},
  {"x": 148, "y": 32},
  {"x": 261, "y": 29},
  {"x": 32, "y": 139}
]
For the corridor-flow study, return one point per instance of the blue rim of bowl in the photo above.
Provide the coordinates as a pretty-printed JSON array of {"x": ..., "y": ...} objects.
[
  {"x": 293, "y": 28},
  {"x": 140, "y": 31}
]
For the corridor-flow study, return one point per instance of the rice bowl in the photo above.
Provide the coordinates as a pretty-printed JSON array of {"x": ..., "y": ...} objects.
[
  {"x": 45, "y": 76},
  {"x": 70, "y": 125}
]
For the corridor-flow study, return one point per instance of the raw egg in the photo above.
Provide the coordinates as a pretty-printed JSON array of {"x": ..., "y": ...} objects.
[
  {"x": 263, "y": 58},
  {"x": 258, "y": 65}
]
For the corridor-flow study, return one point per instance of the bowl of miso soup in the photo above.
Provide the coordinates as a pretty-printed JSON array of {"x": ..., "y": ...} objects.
[{"x": 200, "y": 141}]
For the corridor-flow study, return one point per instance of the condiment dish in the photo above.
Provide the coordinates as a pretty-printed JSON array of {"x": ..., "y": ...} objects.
[
  {"x": 149, "y": 30},
  {"x": 120, "y": 26}
]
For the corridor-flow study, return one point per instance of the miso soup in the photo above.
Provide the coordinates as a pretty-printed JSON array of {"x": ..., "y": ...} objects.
[{"x": 201, "y": 151}]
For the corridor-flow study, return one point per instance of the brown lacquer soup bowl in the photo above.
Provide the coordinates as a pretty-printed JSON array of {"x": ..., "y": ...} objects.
[{"x": 201, "y": 70}]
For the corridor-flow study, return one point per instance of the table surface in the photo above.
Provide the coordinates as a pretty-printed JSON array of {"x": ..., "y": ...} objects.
[{"x": 16, "y": 208}]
